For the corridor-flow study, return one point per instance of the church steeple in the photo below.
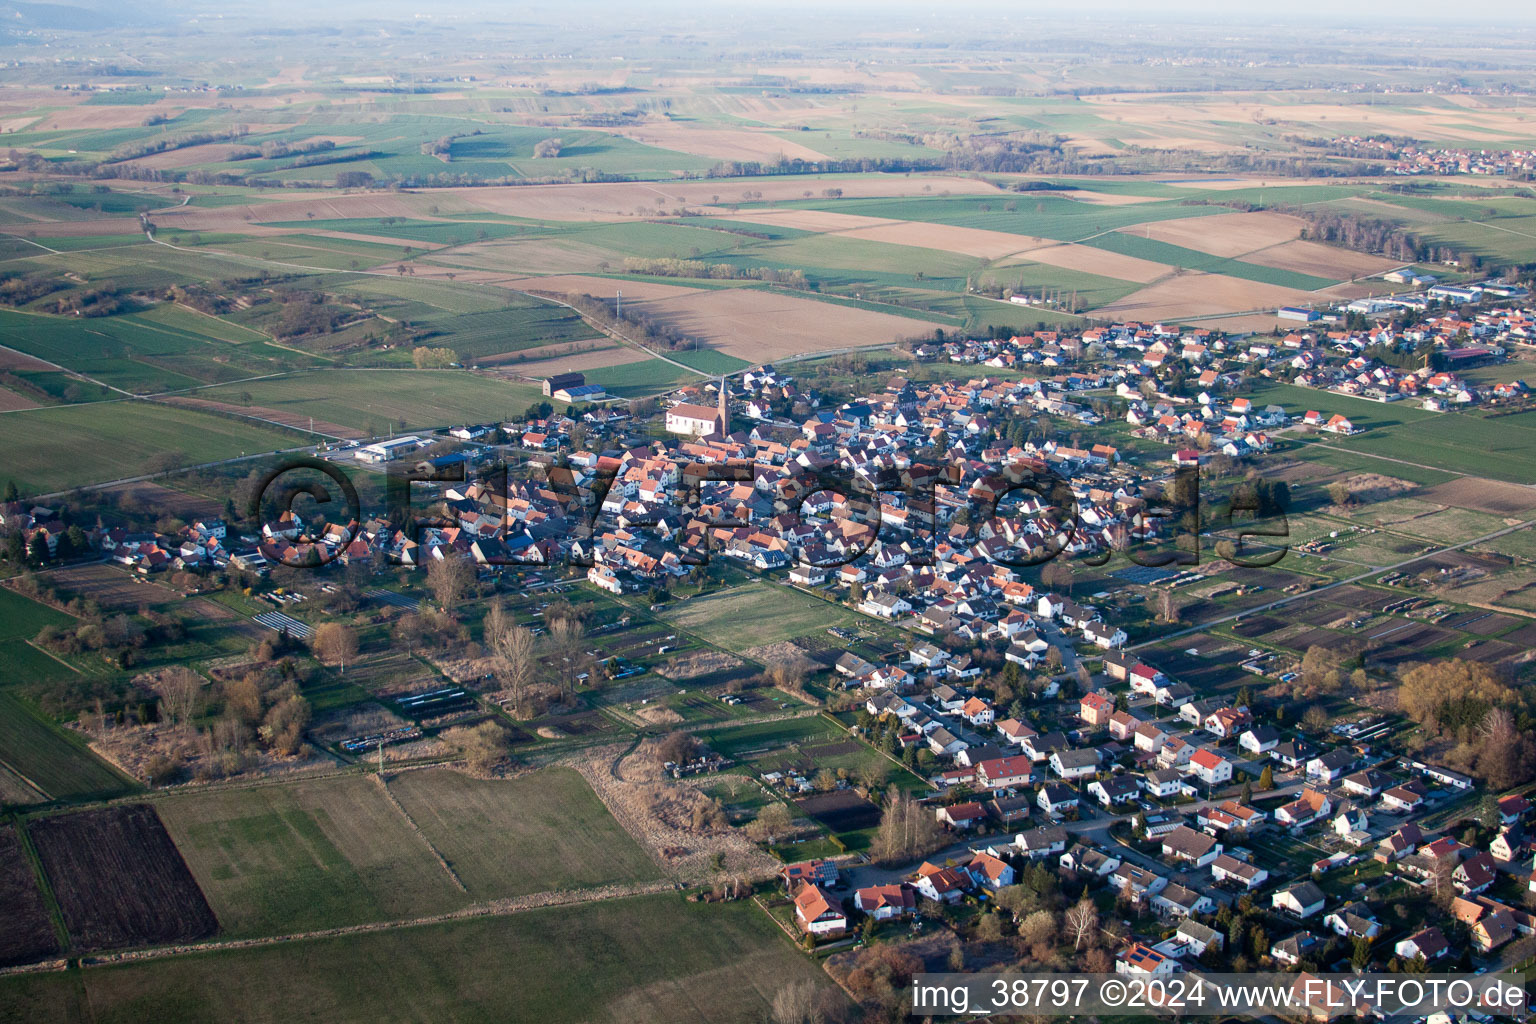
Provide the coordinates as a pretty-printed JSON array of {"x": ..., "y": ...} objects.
[{"x": 723, "y": 414}]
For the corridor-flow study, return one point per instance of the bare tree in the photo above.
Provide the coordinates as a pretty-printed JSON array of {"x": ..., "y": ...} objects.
[
  {"x": 799, "y": 1003},
  {"x": 1082, "y": 921},
  {"x": 181, "y": 694},
  {"x": 334, "y": 644},
  {"x": 513, "y": 646},
  {"x": 908, "y": 829},
  {"x": 565, "y": 635},
  {"x": 449, "y": 578}
]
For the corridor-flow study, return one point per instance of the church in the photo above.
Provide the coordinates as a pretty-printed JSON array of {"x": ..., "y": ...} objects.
[{"x": 700, "y": 420}]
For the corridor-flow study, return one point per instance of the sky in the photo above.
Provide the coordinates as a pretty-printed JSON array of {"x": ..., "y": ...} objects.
[{"x": 1244, "y": 11}]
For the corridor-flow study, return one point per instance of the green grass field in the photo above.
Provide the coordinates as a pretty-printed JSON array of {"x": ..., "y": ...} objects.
[
  {"x": 23, "y": 617},
  {"x": 58, "y": 448},
  {"x": 382, "y": 399},
  {"x": 652, "y": 959},
  {"x": 25, "y": 663},
  {"x": 1192, "y": 259},
  {"x": 306, "y": 855},
  {"x": 644, "y": 377},
  {"x": 754, "y": 614},
  {"x": 537, "y": 833},
  {"x": 160, "y": 348},
  {"x": 55, "y": 761}
]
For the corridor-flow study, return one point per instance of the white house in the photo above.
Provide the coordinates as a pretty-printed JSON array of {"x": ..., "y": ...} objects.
[
  {"x": 1142, "y": 959},
  {"x": 1300, "y": 899},
  {"x": 1210, "y": 768},
  {"x": 817, "y": 914},
  {"x": 1227, "y": 868},
  {"x": 1075, "y": 764},
  {"x": 1260, "y": 739},
  {"x": 883, "y": 902}
]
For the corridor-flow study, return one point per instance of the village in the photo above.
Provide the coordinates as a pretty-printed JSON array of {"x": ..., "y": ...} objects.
[
  {"x": 1159, "y": 824},
  {"x": 1195, "y": 828}
]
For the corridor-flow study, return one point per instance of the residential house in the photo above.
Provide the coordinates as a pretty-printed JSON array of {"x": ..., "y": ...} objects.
[
  {"x": 1294, "y": 948},
  {"x": 1197, "y": 937},
  {"x": 962, "y": 816},
  {"x": 1475, "y": 874},
  {"x": 808, "y": 872},
  {"x": 1429, "y": 943},
  {"x": 1368, "y": 783},
  {"x": 990, "y": 872},
  {"x": 1162, "y": 783},
  {"x": 1075, "y": 764},
  {"x": 1136, "y": 883},
  {"x": 1210, "y": 768},
  {"x": 943, "y": 885},
  {"x": 1181, "y": 901},
  {"x": 1122, "y": 726},
  {"x": 1089, "y": 860},
  {"x": 1014, "y": 731},
  {"x": 1149, "y": 737},
  {"x": 1259, "y": 739},
  {"x": 1227, "y": 868},
  {"x": 1512, "y": 808},
  {"x": 1404, "y": 799},
  {"x": 1115, "y": 790},
  {"x": 1299, "y": 899},
  {"x": 884, "y": 902},
  {"x": 1007, "y": 811},
  {"x": 1399, "y": 844},
  {"x": 1096, "y": 708},
  {"x": 1291, "y": 753},
  {"x": 1330, "y": 766},
  {"x": 1185, "y": 844},
  {"x": 819, "y": 914},
  {"x": 1141, "y": 959},
  {"x": 1004, "y": 772},
  {"x": 1057, "y": 798},
  {"x": 1045, "y": 841},
  {"x": 1353, "y": 921},
  {"x": 1310, "y": 805},
  {"x": 977, "y": 711}
]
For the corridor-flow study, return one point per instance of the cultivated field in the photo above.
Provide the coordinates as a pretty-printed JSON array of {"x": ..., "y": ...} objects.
[
  {"x": 1323, "y": 260},
  {"x": 306, "y": 855},
  {"x": 53, "y": 760},
  {"x": 11, "y": 401},
  {"x": 1197, "y": 294},
  {"x": 537, "y": 833},
  {"x": 1226, "y": 234},
  {"x": 649, "y": 959},
  {"x": 760, "y": 326},
  {"x": 119, "y": 879},
  {"x": 26, "y": 931},
  {"x": 1507, "y": 499}
]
